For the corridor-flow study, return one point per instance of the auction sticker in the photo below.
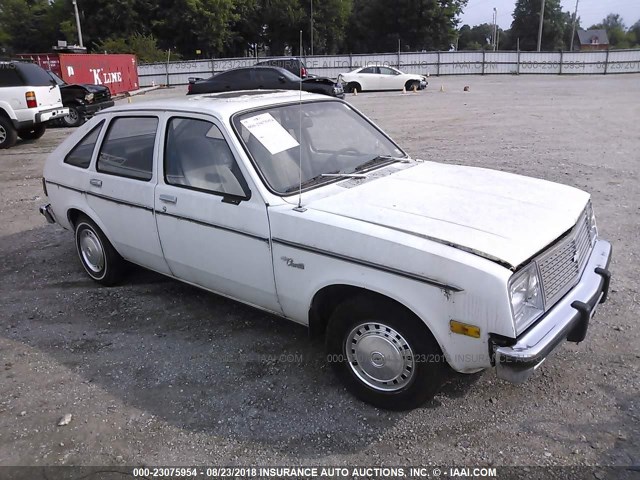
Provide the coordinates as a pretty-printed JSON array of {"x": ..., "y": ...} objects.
[{"x": 270, "y": 133}]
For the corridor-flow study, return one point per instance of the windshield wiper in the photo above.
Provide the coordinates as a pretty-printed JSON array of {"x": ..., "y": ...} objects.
[
  {"x": 318, "y": 179},
  {"x": 380, "y": 159}
]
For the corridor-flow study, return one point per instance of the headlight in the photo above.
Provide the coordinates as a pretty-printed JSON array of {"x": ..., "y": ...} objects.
[
  {"x": 526, "y": 297},
  {"x": 88, "y": 97},
  {"x": 591, "y": 222}
]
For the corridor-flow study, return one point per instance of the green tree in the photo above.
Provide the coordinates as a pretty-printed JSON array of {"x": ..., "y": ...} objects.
[
  {"x": 378, "y": 25},
  {"x": 330, "y": 18},
  {"x": 145, "y": 47},
  {"x": 526, "y": 18},
  {"x": 616, "y": 31}
]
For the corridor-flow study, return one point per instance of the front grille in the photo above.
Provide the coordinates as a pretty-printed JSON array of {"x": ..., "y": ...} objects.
[
  {"x": 561, "y": 266},
  {"x": 101, "y": 97}
]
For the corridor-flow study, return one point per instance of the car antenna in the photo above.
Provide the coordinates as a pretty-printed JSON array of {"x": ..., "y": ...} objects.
[{"x": 300, "y": 208}]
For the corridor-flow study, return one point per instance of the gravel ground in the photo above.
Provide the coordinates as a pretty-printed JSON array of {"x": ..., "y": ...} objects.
[{"x": 158, "y": 372}]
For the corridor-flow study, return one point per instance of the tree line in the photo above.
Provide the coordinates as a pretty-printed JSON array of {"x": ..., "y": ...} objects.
[{"x": 225, "y": 28}]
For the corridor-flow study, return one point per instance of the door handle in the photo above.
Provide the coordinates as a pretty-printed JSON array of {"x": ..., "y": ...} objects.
[
  {"x": 168, "y": 198},
  {"x": 95, "y": 182}
]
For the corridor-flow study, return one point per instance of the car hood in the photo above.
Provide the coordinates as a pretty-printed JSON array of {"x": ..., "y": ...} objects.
[
  {"x": 91, "y": 88},
  {"x": 500, "y": 216},
  {"x": 324, "y": 80}
]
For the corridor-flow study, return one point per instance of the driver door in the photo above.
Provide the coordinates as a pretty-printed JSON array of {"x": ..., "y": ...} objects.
[{"x": 213, "y": 232}]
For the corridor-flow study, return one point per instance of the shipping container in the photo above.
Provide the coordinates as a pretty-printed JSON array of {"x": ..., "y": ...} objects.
[{"x": 119, "y": 72}]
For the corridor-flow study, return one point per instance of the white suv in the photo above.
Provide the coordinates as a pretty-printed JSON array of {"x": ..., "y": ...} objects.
[{"x": 29, "y": 98}]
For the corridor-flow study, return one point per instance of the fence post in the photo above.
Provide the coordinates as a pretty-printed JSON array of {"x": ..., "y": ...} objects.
[
  {"x": 483, "y": 53},
  {"x": 438, "y": 65},
  {"x": 518, "y": 65},
  {"x": 561, "y": 57},
  {"x": 606, "y": 63},
  {"x": 350, "y": 62}
]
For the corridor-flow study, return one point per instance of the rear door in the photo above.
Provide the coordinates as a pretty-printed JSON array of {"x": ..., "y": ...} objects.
[{"x": 121, "y": 188}]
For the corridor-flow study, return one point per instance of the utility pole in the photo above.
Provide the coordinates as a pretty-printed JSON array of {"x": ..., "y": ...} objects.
[
  {"x": 75, "y": 7},
  {"x": 495, "y": 28},
  {"x": 311, "y": 20},
  {"x": 573, "y": 29},
  {"x": 540, "y": 27}
]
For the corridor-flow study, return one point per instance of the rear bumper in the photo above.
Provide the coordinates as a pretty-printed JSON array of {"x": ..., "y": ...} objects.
[
  {"x": 53, "y": 114},
  {"x": 568, "y": 320},
  {"x": 47, "y": 212}
]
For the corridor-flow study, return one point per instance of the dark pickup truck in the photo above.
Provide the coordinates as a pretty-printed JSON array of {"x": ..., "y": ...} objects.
[{"x": 83, "y": 100}]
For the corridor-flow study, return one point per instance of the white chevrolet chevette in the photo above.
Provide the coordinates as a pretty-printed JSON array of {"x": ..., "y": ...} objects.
[{"x": 301, "y": 206}]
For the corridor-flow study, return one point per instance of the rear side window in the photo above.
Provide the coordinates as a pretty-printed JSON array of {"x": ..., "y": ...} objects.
[
  {"x": 127, "y": 149},
  {"x": 33, "y": 75},
  {"x": 80, "y": 155},
  {"x": 9, "y": 75}
]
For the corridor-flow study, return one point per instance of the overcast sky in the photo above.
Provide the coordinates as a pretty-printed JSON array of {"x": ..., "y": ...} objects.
[{"x": 589, "y": 11}]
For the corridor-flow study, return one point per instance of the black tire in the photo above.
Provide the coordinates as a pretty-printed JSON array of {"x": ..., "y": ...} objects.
[
  {"x": 74, "y": 119},
  {"x": 419, "y": 367},
  {"x": 8, "y": 133},
  {"x": 352, "y": 86},
  {"x": 409, "y": 85},
  {"x": 98, "y": 257},
  {"x": 33, "y": 133}
]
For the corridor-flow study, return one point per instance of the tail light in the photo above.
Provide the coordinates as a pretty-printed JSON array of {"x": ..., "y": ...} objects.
[
  {"x": 303, "y": 72},
  {"x": 31, "y": 99},
  {"x": 189, "y": 88}
]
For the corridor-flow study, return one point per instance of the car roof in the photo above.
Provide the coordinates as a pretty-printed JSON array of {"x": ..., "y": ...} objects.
[{"x": 222, "y": 105}]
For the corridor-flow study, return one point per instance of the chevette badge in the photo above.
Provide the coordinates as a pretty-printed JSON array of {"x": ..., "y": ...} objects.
[{"x": 291, "y": 263}]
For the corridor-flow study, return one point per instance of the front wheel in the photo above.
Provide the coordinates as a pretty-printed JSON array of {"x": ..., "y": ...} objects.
[
  {"x": 98, "y": 257},
  {"x": 33, "y": 133},
  {"x": 384, "y": 354},
  {"x": 74, "y": 119}
]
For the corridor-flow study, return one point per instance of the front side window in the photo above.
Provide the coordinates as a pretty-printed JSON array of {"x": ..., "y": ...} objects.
[
  {"x": 198, "y": 157},
  {"x": 127, "y": 149},
  {"x": 80, "y": 155},
  {"x": 326, "y": 137}
]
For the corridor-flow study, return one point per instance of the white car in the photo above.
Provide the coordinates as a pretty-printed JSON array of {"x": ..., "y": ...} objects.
[
  {"x": 304, "y": 208},
  {"x": 381, "y": 78},
  {"x": 29, "y": 99}
]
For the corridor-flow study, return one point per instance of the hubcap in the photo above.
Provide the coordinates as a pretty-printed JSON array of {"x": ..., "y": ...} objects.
[
  {"x": 3, "y": 134},
  {"x": 72, "y": 117},
  {"x": 380, "y": 356},
  {"x": 91, "y": 251}
]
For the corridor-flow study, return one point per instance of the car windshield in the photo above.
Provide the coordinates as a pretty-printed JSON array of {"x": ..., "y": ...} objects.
[{"x": 326, "y": 137}]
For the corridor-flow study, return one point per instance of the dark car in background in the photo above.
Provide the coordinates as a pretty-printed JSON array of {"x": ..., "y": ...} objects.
[
  {"x": 293, "y": 64},
  {"x": 82, "y": 100},
  {"x": 263, "y": 78}
]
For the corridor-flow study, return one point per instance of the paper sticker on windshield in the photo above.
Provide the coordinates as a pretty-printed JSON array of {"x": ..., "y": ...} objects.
[{"x": 270, "y": 133}]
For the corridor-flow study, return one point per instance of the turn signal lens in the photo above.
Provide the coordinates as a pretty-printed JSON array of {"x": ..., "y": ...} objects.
[
  {"x": 31, "y": 99},
  {"x": 464, "y": 329}
]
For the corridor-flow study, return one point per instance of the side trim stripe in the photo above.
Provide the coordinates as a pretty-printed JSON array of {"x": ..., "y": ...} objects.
[
  {"x": 213, "y": 225},
  {"x": 158, "y": 212},
  {"x": 366, "y": 263}
]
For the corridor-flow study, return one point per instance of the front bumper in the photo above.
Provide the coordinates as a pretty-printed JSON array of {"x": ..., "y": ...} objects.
[
  {"x": 567, "y": 320},
  {"x": 89, "y": 109}
]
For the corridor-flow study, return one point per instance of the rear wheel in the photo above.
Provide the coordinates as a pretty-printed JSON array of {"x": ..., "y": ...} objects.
[
  {"x": 74, "y": 119},
  {"x": 98, "y": 257},
  {"x": 8, "y": 134},
  {"x": 33, "y": 133},
  {"x": 384, "y": 354}
]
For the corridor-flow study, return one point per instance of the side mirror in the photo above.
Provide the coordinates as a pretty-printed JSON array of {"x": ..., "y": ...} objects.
[{"x": 281, "y": 79}]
